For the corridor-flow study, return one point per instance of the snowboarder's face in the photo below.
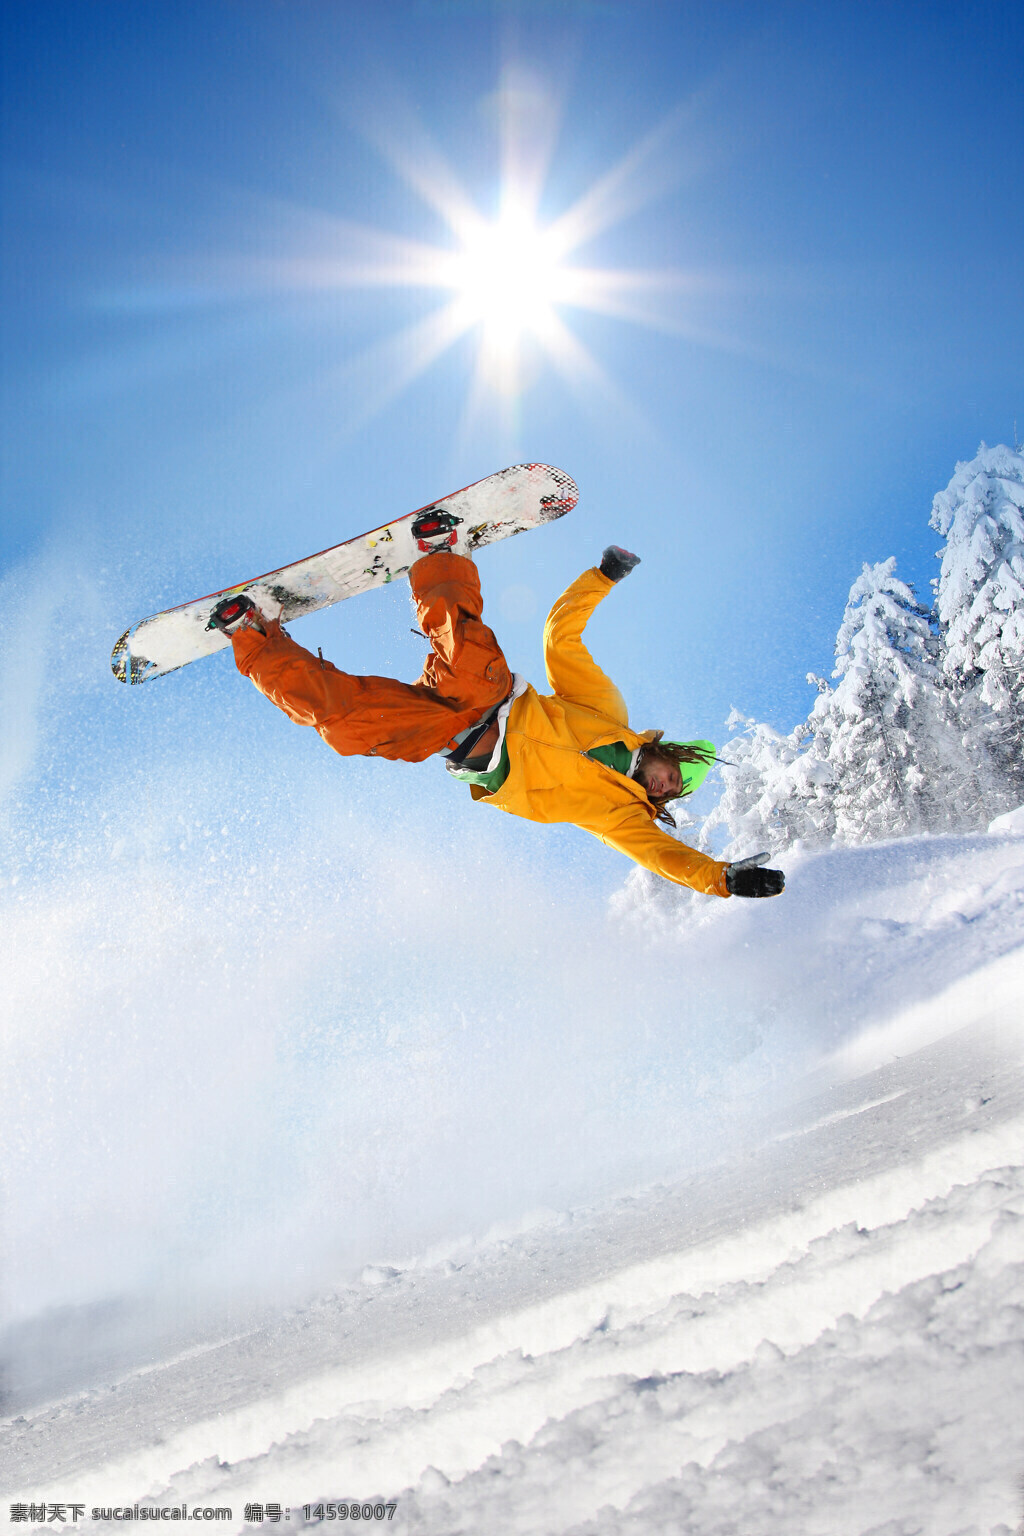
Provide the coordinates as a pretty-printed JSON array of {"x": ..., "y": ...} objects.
[{"x": 660, "y": 776}]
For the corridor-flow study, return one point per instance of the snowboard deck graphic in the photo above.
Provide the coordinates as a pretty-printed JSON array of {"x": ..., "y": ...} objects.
[{"x": 509, "y": 502}]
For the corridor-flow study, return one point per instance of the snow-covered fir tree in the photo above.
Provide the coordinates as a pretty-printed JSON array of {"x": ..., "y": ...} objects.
[
  {"x": 776, "y": 792},
  {"x": 886, "y": 729},
  {"x": 980, "y": 607},
  {"x": 922, "y": 728}
]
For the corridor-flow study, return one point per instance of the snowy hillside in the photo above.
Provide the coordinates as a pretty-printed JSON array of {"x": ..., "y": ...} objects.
[{"x": 816, "y": 1325}]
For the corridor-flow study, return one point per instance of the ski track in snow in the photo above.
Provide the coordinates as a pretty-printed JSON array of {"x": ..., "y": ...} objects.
[{"x": 823, "y": 1335}]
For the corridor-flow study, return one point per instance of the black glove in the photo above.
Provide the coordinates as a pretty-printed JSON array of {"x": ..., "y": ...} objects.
[
  {"x": 616, "y": 562},
  {"x": 744, "y": 878}
]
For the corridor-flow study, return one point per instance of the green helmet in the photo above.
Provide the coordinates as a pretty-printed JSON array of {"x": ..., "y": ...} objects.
[{"x": 694, "y": 774}]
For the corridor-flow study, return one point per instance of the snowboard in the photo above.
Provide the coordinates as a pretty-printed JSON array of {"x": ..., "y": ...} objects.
[{"x": 509, "y": 502}]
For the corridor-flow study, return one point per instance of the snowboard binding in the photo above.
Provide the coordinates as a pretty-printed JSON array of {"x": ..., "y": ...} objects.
[
  {"x": 234, "y": 613},
  {"x": 434, "y": 529}
]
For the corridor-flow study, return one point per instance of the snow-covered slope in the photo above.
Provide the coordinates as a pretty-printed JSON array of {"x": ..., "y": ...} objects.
[{"x": 821, "y": 1330}]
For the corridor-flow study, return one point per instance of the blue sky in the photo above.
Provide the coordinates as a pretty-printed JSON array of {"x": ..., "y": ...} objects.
[
  {"x": 834, "y": 184},
  {"x": 808, "y": 219}
]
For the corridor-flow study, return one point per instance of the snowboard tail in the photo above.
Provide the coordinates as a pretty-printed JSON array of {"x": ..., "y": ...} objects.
[{"x": 512, "y": 501}]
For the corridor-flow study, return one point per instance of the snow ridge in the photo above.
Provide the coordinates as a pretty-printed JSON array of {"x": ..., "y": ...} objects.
[
  {"x": 861, "y": 1353},
  {"x": 825, "y": 1332}
]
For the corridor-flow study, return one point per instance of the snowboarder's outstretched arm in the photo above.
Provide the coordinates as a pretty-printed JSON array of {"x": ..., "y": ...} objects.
[
  {"x": 636, "y": 836},
  {"x": 632, "y": 832},
  {"x": 572, "y": 672}
]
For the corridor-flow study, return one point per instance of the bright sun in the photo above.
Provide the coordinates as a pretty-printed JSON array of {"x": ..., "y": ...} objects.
[
  {"x": 508, "y": 276},
  {"x": 507, "y": 280}
]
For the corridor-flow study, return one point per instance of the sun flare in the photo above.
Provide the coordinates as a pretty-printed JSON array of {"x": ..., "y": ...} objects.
[{"x": 508, "y": 280}]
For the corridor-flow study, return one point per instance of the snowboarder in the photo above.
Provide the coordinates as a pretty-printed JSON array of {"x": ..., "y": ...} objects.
[{"x": 567, "y": 756}]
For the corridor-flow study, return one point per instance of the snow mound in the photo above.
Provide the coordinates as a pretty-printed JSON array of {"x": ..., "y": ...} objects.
[{"x": 1010, "y": 822}]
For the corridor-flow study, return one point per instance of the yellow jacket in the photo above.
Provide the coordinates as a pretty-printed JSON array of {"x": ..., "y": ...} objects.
[{"x": 550, "y": 777}]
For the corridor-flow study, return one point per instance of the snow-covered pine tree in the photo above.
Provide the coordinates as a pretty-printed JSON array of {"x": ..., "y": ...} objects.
[
  {"x": 886, "y": 730},
  {"x": 980, "y": 607},
  {"x": 775, "y": 793}
]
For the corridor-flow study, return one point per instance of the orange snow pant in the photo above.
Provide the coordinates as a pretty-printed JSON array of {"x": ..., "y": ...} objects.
[{"x": 464, "y": 676}]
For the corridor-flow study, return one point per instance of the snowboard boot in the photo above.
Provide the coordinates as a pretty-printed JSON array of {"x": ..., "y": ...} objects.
[
  {"x": 434, "y": 529},
  {"x": 234, "y": 613}
]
